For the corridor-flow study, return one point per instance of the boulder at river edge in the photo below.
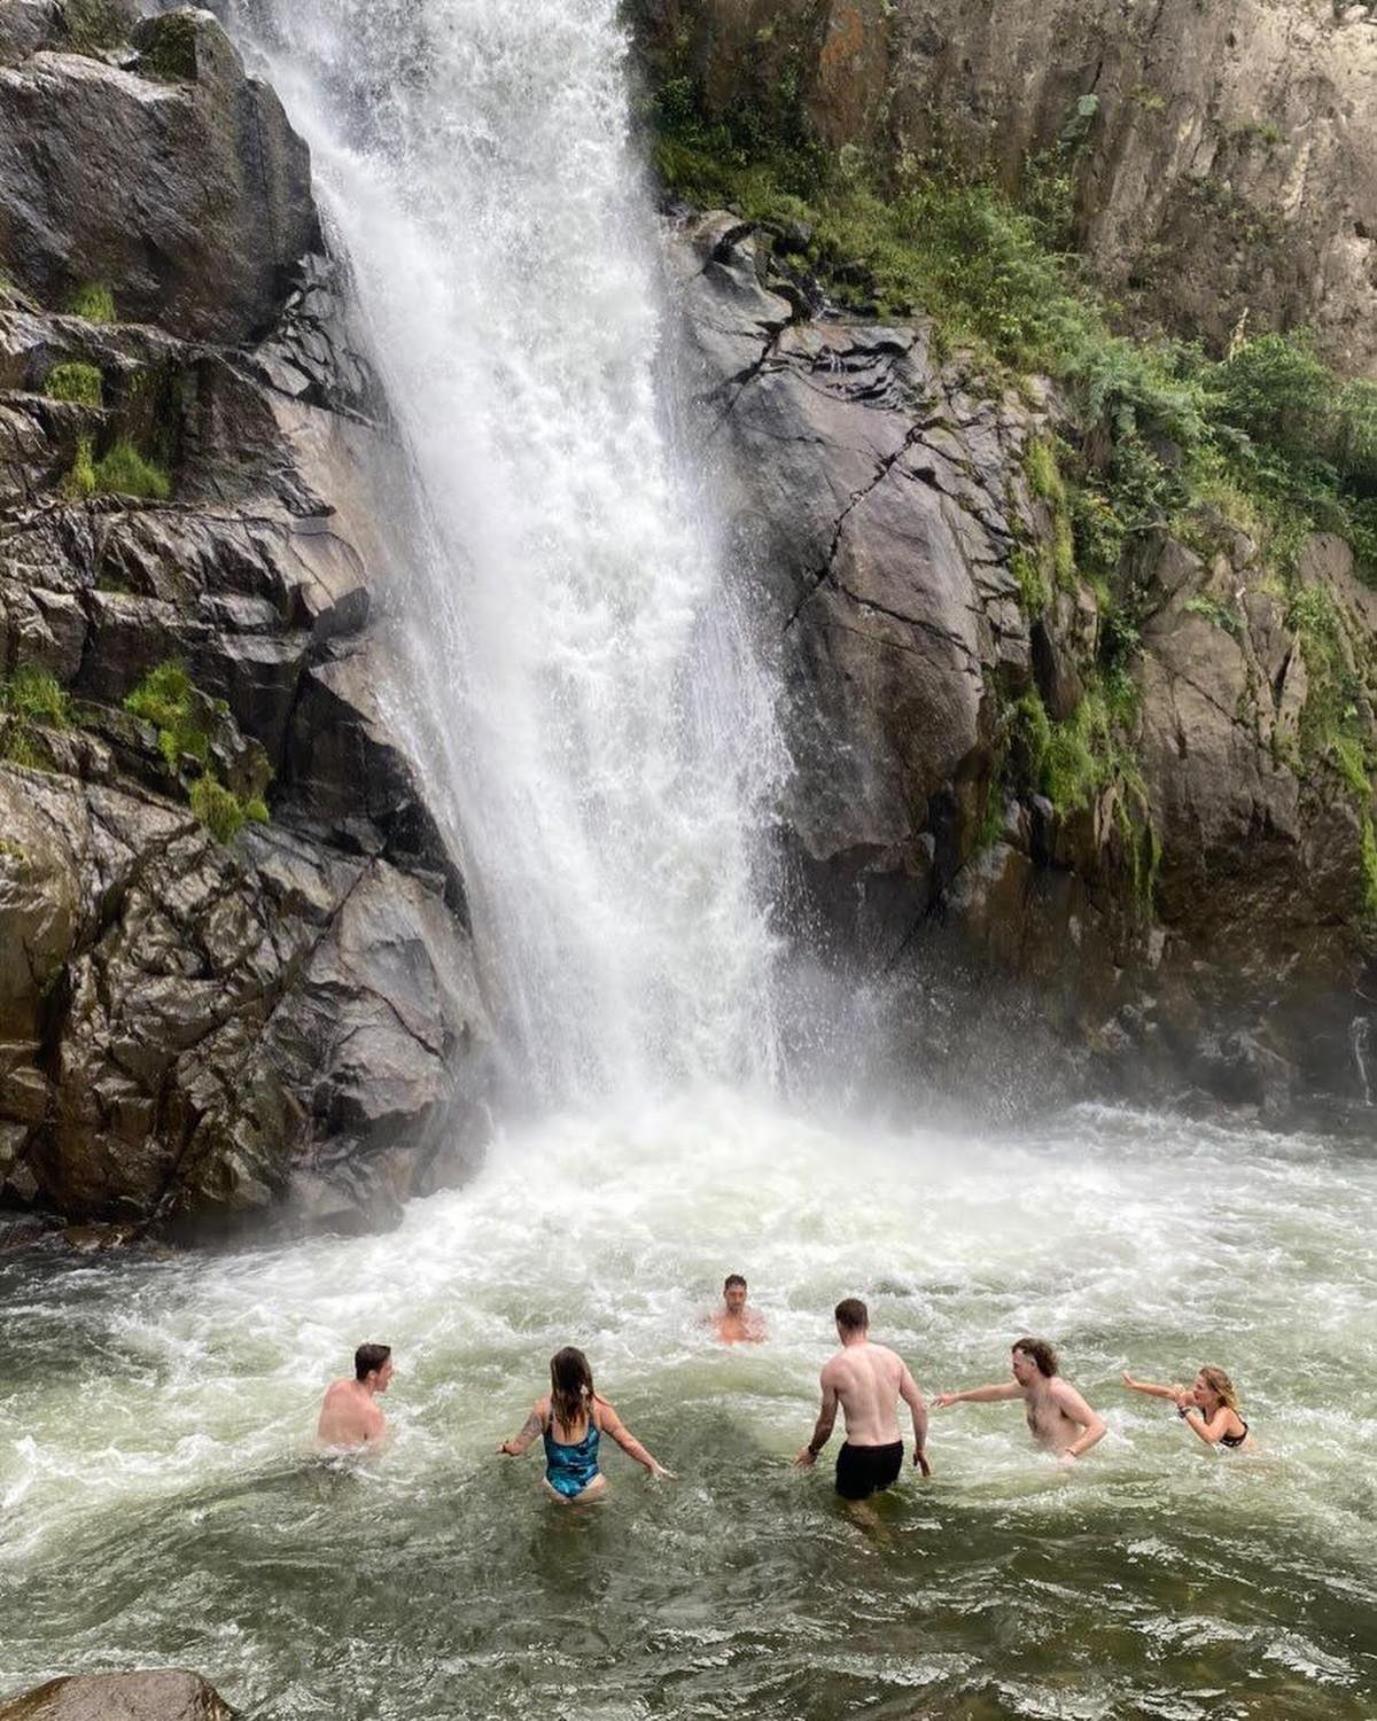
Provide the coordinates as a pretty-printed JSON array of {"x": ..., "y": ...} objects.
[{"x": 162, "y": 1695}]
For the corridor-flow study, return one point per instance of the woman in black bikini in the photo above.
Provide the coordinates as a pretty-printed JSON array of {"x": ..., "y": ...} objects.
[{"x": 1209, "y": 1408}]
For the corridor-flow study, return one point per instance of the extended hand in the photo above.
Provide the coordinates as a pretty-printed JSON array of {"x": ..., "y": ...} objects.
[
  {"x": 943, "y": 1399},
  {"x": 505, "y": 1449},
  {"x": 806, "y": 1459},
  {"x": 1128, "y": 1379},
  {"x": 920, "y": 1459},
  {"x": 660, "y": 1474}
]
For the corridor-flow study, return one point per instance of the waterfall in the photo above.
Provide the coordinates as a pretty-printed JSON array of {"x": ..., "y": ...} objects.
[
  {"x": 1358, "y": 1034},
  {"x": 582, "y": 696}
]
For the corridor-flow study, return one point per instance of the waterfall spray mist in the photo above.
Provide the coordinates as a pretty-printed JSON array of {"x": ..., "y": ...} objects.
[{"x": 583, "y": 701}]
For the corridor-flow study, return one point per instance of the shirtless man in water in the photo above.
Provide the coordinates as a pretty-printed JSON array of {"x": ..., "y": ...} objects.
[
  {"x": 736, "y": 1324},
  {"x": 349, "y": 1417},
  {"x": 867, "y": 1380},
  {"x": 1059, "y": 1419}
]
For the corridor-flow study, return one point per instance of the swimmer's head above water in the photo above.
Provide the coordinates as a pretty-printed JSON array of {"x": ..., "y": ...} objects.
[
  {"x": 571, "y": 1386},
  {"x": 373, "y": 1367},
  {"x": 853, "y": 1320},
  {"x": 1033, "y": 1359}
]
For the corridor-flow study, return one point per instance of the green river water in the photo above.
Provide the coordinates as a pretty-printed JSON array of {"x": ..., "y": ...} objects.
[{"x": 161, "y": 1504}]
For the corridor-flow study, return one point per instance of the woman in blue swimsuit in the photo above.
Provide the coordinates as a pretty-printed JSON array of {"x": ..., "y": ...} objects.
[{"x": 572, "y": 1419}]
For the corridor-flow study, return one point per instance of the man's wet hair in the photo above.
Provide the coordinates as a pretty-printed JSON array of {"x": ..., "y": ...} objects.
[
  {"x": 733, "y": 1279},
  {"x": 1041, "y": 1352},
  {"x": 852, "y": 1315},
  {"x": 369, "y": 1359}
]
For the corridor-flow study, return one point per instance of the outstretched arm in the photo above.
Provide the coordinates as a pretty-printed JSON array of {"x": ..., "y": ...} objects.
[
  {"x": 530, "y": 1428},
  {"x": 1091, "y": 1425},
  {"x": 1152, "y": 1390},
  {"x": 980, "y": 1394},
  {"x": 822, "y": 1429},
  {"x": 610, "y": 1423}
]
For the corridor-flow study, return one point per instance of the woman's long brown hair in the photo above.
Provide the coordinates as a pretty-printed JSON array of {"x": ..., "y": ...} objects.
[
  {"x": 571, "y": 1389},
  {"x": 1218, "y": 1381}
]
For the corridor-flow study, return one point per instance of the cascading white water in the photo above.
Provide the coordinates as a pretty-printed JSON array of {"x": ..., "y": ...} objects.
[{"x": 584, "y": 701}]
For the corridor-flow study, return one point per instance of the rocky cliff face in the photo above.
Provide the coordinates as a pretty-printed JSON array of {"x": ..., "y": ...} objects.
[
  {"x": 235, "y": 973},
  {"x": 1170, "y": 898},
  {"x": 1224, "y": 167}
]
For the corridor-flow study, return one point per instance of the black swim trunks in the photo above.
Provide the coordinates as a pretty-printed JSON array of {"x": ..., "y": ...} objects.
[{"x": 865, "y": 1470}]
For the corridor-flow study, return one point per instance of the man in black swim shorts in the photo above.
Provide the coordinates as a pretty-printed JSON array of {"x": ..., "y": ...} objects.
[{"x": 867, "y": 1380}]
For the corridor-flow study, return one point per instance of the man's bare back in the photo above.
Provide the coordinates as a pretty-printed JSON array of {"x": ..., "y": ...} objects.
[
  {"x": 867, "y": 1380},
  {"x": 350, "y": 1416}
]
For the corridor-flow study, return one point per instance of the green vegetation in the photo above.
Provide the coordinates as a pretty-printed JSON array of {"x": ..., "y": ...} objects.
[
  {"x": 1050, "y": 561},
  {"x": 1332, "y": 727},
  {"x": 187, "y": 721},
  {"x": 1072, "y": 762},
  {"x": 1369, "y": 866},
  {"x": 80, "y": 482},
  {"x": 31, "y": 700},
  {"x": 221, "y": 811},
  {"x": 1266, "y": 426},
  {"x": 92, "y": 25},
  {"x": 94, "y": 301},
  {"x": 79, "y": 383},
  {"x": 169, "y": 48},
  {"x": 35, "y": 696},
  {"x": 1163, "y": 435},
  {"x": 1029, "y": 570},
  {"x": 122, "y": 471},
  {"x": 1220, "y": 614}
]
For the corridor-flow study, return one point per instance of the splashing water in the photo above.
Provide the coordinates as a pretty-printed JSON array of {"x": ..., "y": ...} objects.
[
  {"x": 586, "y": 709},
  {"x": 159, "y": 1504}
]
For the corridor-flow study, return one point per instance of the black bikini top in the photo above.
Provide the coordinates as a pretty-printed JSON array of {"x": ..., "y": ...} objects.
[{"x": 1229, "y": 1440}]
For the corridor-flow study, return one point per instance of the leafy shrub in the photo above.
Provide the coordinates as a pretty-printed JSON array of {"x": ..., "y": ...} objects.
[
  {"x": 1268, "y": 425},
  {"x": 36, "y": 697},
  {"x": 79, "y": 383},
  {"x": 1034, "y": 592},
  {"x": 31, "y": 700},
  {"x": 81, "y": 480},
  {"x": 168, "y": 699},
  {"x": 94, "y": 301},
  {"x": 219, "y": 809},
  {"x": 125, "y": 472},
  {"x": 186, "y": 720}
]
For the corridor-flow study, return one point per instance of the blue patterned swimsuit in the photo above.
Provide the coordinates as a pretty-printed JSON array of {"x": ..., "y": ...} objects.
[{"x": 570, "y": 1469}]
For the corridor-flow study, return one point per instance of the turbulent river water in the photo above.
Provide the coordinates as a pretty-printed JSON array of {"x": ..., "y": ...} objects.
[
  {"x": 160, "y": 1503},
  {"x": 581, "y": 693}
]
